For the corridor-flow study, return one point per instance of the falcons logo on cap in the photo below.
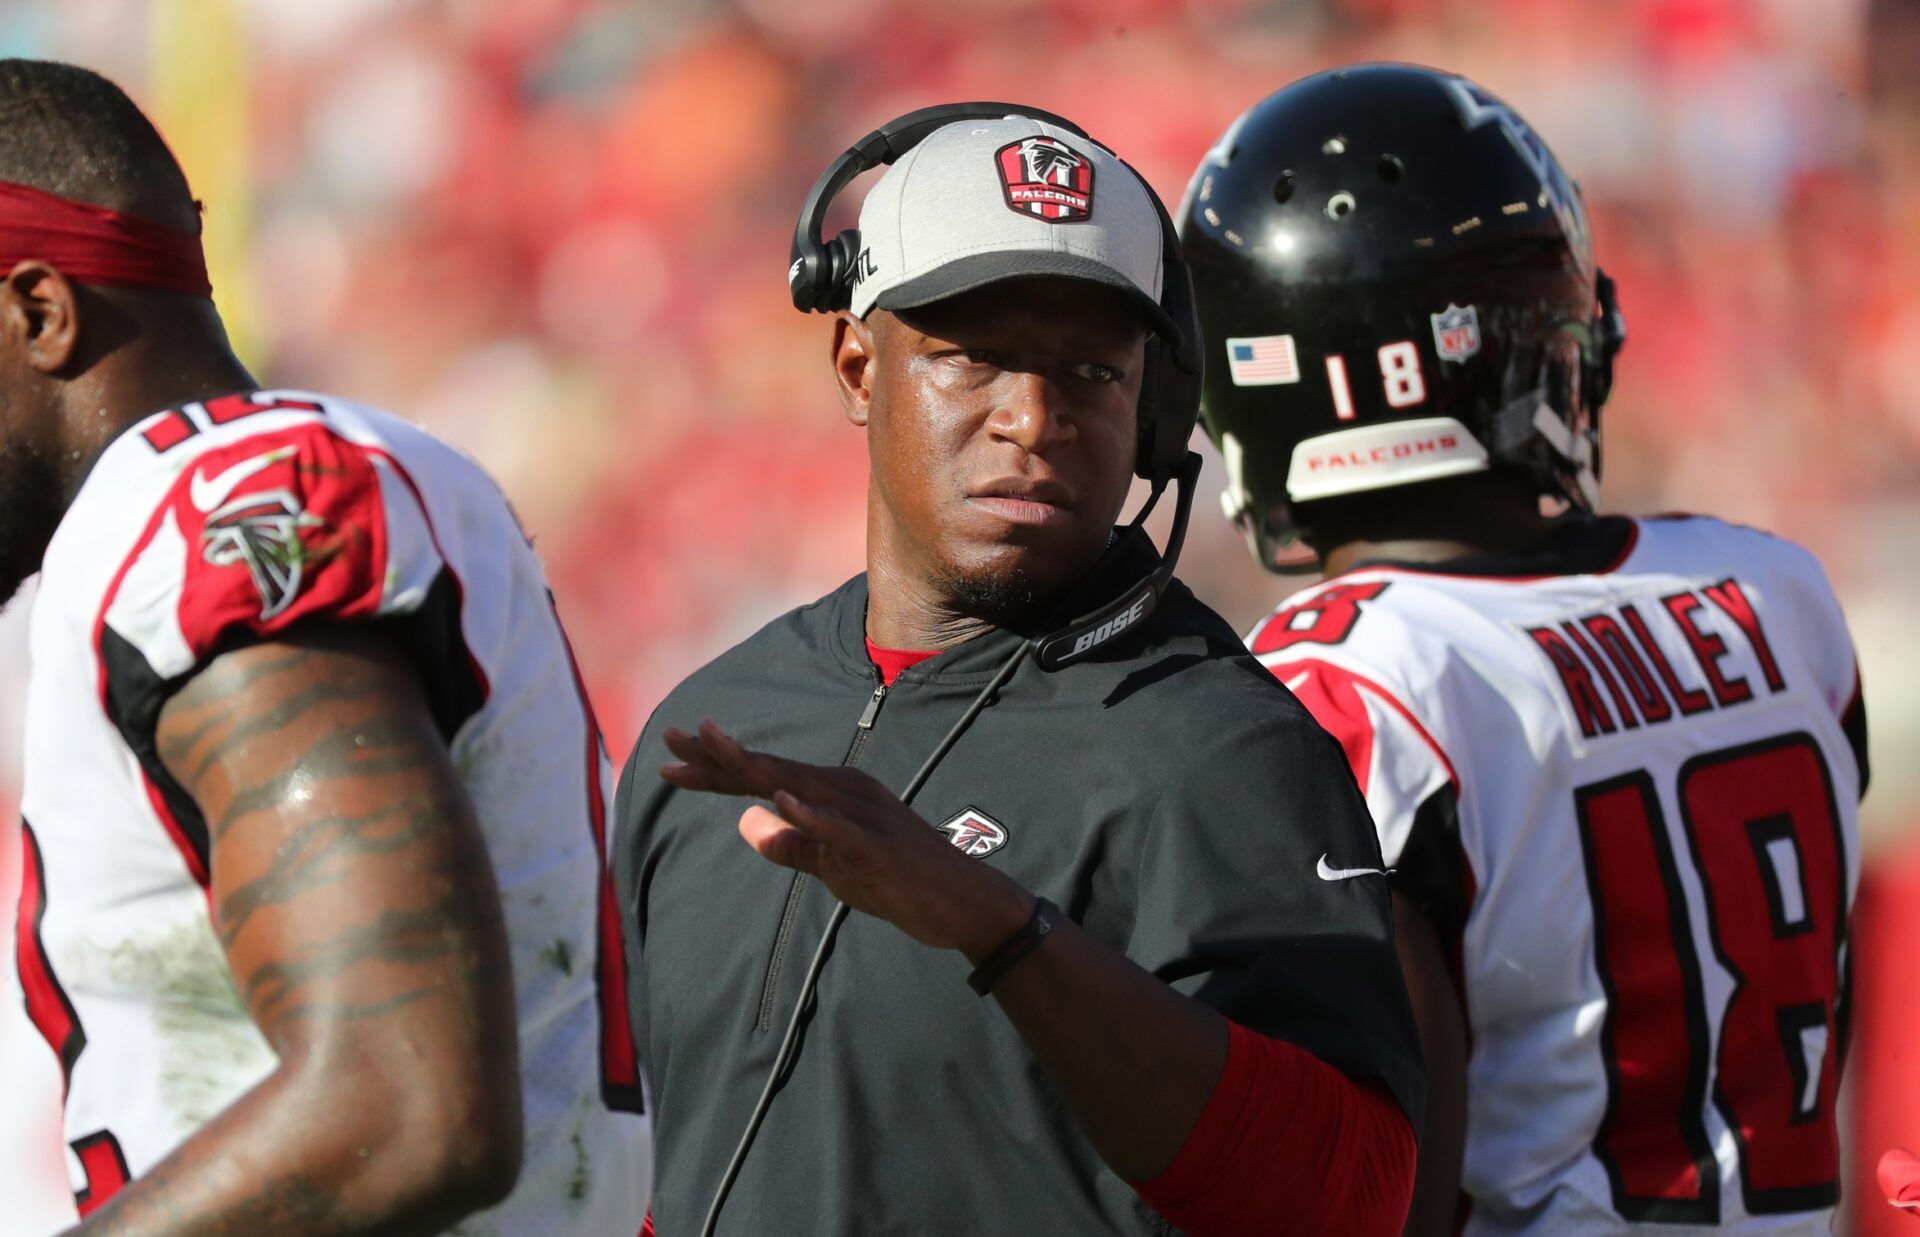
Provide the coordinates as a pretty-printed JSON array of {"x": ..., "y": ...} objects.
[
  {"x": 1047, "y": 179},
  {"x": 975, "y": 833}
]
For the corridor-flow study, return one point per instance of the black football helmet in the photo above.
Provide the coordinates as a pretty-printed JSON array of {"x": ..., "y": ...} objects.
[{"x": 1397, "y": 283}]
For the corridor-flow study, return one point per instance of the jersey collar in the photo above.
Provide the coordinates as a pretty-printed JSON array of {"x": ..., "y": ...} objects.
[{"x": 1579, "y": 547}]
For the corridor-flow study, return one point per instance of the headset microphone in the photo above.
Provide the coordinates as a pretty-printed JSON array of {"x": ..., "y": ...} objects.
[{"x": 1091, "y": 630}]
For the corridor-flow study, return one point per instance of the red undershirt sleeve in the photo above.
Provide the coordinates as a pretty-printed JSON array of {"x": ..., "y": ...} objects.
[{"x": 1288, "y": 1144}]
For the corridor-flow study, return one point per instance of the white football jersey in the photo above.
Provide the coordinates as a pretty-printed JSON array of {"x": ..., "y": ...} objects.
[
  {"x": 1621, "y": 777},
  {"x": 221, "y": 523}
]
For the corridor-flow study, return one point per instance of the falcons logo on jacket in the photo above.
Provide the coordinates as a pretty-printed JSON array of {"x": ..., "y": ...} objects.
[{"x": 975, "y": 833}]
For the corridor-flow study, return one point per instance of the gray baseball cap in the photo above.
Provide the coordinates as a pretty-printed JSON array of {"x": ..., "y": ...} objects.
[{"x": 979, "y": 201}]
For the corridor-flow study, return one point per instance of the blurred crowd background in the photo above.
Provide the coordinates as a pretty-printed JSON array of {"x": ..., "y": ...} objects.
[{"x": 555, "y": 232}]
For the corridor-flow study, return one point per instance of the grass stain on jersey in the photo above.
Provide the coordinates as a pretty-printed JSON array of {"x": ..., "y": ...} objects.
[
  {"x": 481, "y": 755},
  {"x": 559, "y": 956},
  {"x": 580, "y": 1181},
  {"x": 210, "y": 1052}
]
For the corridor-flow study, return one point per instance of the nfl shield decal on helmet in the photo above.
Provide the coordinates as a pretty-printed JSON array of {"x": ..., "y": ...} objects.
[
  {"x": 1047, "y": 179},
  {"x": 1456, "y": 332},
  {"x": 975, "y": 833}
]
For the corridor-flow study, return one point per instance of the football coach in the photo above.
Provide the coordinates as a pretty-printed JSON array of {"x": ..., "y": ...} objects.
[{"x": 1119, "y": 957}]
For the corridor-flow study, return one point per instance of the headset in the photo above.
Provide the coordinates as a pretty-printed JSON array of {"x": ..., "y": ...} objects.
[{"x": 820, "y": 281}]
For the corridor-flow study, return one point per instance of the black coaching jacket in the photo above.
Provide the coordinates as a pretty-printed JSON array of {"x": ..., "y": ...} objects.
[{"x": 1167, "y": 793}]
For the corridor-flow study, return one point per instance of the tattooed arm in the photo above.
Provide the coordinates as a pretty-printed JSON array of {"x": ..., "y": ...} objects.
[{"x": 354, "y": 898}]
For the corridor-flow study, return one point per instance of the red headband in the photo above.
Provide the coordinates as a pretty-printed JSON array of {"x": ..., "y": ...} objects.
[{"x": 94, "y": 245}]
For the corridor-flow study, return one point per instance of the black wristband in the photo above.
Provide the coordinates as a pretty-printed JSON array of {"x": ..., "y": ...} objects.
[{"x": 1014, "y": 948}]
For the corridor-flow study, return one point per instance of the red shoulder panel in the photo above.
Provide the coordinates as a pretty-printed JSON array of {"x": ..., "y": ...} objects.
[
  {"x": 281, "y": 527},
  {"x": 1333, "y": 697}
]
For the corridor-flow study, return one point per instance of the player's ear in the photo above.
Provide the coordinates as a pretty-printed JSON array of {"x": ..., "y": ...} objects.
[
  {"x": 853, "y": 365},
  {"x": 40, "y": 315}
]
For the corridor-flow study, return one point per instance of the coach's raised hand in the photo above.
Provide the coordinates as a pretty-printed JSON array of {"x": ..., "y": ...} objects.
[
  {"x": 1137, "y": 1095},
  {"x": 849, "y": 832}
]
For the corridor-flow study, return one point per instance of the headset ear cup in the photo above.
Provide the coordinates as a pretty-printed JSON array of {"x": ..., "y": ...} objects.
[
  {"x": 1146, "y": 459},
  {"x": 821, "y": 278},
  {"x": 1171, "y": 380},
  {"x": 842, "y": 250},
  {"x": 803, "y": 280},
  {"x": 1169, "y": 409}
]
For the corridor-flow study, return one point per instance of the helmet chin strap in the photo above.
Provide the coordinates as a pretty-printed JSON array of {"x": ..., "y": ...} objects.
[{"x": 1077, "y": 639}]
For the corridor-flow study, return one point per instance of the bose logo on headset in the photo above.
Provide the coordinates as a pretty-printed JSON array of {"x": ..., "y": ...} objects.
[{"x": 1113, "y": 626}]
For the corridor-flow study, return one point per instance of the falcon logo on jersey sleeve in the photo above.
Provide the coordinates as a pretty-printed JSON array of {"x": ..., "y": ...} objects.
[
  {"x": 260, "y": 531},
  {"x": 279, "y": 527}
]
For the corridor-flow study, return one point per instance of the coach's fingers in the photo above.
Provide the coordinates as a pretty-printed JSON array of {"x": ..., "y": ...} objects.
[
  {"x": 686, "y": 747},
  {"x": 703, "y": 777},
  {"x": 714, "y": 761},
  {"x": 700, "y": 767},
  {"x": 690, "y": 747},
  {"x": 697, "y": 770},
  {"x": 779, "y": 842},
  {"x": 725, "y": 751},
  {"x": 767, "y": 772},
  {"x": 822, "y": 822}
]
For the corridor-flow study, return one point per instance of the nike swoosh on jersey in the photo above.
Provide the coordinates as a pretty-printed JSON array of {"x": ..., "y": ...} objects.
[
  {"x": 1341, "y": 874},
  {"x": 209, "y": 492}
]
